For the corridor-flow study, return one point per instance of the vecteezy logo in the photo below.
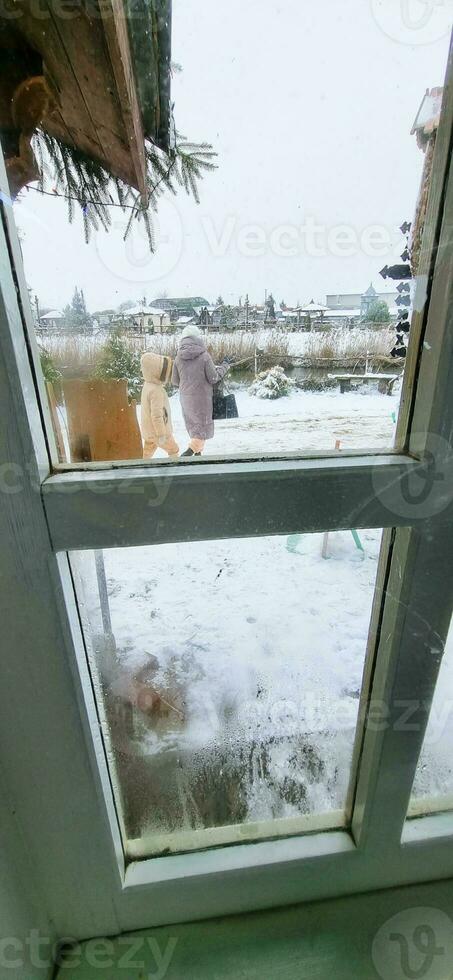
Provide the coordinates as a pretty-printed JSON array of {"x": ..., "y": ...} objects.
[
  {"x": 414, "y": 21},
  {"x": 425, "y": 490},
  {"x": 427, "y": 476},
  {"x": 129, "y": 257},
  {"x": 416, "y": 944}
]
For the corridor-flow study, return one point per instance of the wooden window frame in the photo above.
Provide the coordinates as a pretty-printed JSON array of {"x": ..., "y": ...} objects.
[{"x": 53, "y": 757}]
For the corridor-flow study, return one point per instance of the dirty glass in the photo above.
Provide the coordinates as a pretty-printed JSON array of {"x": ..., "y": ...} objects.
[
  {"x": 433, "y": 784},
  {"x": 228, "y": 677},
  {"x": 323, "y": 138}
]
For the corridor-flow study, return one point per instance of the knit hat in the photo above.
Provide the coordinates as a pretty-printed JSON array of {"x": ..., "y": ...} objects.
[{"x": 191, "y": 331}]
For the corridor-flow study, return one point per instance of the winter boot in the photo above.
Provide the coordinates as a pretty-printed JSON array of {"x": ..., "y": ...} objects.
[{"x": 190, "y": 452}]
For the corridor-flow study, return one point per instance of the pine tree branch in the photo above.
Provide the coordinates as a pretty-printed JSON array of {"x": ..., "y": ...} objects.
[{"x": 85, "y": 182}]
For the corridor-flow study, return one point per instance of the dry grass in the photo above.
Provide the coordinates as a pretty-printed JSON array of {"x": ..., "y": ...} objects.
[
  {"x": 239, "y": 346},
  {"x": 74, "y": 356},
  {"x": 349, "y": 343},
  {"x": 79, "y": 357}
]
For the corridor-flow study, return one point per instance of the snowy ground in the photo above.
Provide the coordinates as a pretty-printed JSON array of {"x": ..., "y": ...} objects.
[{"x": 302, "y": 421}]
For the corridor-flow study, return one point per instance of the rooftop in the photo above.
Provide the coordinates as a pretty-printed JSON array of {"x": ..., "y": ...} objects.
[
  {"x": 142, "y": 310},
  {"x": 168, "y": 302}
]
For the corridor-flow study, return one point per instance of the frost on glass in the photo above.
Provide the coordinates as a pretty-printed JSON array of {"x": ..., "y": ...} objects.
[
  {"x": 228, "y": 676},
  {"x": 433, "y": 784}
]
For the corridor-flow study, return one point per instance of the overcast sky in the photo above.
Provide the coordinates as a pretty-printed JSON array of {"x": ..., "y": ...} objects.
[{"x": 309, "y": 106}]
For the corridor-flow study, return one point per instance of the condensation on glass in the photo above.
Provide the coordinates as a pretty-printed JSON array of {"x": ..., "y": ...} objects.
[
  {"x": 228, "y": 677},
  {"x": 433, "y": 785}
]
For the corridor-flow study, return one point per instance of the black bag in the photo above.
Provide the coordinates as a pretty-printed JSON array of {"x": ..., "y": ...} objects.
[{"x": 223, "y": 406}]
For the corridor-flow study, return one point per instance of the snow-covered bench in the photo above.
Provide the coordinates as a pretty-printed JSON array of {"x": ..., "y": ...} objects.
[{"x": 384, "y": 382}]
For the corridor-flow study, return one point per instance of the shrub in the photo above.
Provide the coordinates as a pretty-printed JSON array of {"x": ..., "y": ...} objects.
[
  {"x": 272, "y": 384},
  {"x": 118, "y": 361},
  {"x": 377, "y": 313},
  {"x": 50, "y": 372}
]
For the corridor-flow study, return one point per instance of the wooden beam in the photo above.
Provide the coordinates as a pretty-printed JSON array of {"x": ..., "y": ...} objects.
[
  {"x": 115, "y": 27},
  {"x": 87, "y": 62},
  {"x": 426, "y": 262}
]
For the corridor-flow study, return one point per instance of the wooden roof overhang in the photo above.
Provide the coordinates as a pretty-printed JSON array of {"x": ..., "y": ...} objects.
[{"x": 107, "y": 69}]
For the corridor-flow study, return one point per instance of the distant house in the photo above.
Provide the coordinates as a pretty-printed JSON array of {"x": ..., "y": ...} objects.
[
  {"x": 205, "y": 315},
  {"x": 358, "y": 301},
  {"x": 52, "y": 320},
  {"x": 185, "y": 321},
  {"x": 368, "y": 299},
  {"x": 103, "y": 318},
  {"x": 147, "y": 319},
  {"x": 179, "y": 305}
]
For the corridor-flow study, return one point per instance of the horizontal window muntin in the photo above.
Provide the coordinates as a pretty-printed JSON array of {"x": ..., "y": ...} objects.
[{"x": 98, "y": 509}]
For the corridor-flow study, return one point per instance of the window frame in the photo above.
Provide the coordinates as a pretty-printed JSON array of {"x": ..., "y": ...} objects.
[{"x": 55, "y": 762}]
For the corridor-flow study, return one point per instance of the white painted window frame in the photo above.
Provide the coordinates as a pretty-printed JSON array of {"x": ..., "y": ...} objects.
[{"x": 52, "y": 749}]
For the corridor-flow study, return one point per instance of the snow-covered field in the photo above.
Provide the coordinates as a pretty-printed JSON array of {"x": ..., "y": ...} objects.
[{"x": 301, "y": 422}]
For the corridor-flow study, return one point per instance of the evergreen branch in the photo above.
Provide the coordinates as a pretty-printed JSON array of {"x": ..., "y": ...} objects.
[{"x": 85, "y": 182}]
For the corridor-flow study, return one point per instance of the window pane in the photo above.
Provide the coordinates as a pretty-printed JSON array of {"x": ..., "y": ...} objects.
[
  {"x": 280, "y": 265},
  {"x": 433, "y": 784},
  {"x": 228, "y": 676},
  {"x": 296, "y": 411}
]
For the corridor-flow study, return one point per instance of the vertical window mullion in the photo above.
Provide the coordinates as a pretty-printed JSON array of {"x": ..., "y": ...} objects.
[
  {"x": 24, "y": 337},
  {"x": 418, "y": 598},
  {"x": 416, "y": 617}
]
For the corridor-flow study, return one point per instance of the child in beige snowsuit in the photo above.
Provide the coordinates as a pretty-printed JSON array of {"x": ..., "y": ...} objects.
[{"x": 156, "y": 416}]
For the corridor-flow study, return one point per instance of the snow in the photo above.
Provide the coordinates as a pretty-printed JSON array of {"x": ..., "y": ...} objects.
[
  {"x": 300, "y": 422},
  {"x": 52, "y": 315}
]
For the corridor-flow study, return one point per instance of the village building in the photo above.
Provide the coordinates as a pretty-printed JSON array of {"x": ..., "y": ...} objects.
[
  {"x": 102, "y": 319},
  {"x": 53, "y": 320},
  {"x": 359, "y": 301},
  {"x": 147, "y": 319},
  {"x": 186, "y": 321},
  {"x": 180, "y": 306}
]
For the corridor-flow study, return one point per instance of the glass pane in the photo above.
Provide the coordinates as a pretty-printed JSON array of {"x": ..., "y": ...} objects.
[
  {"x": 228, "y": 675},
  {"x": 278, "y": 268},
  {"x": 433, "y": 784}
]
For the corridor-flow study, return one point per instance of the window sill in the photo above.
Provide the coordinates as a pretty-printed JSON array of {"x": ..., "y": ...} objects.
[{"x": 241, "y": 857}]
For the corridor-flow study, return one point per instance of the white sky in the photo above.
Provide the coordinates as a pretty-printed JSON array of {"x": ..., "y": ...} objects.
[{"x": 309, "y": 106}]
